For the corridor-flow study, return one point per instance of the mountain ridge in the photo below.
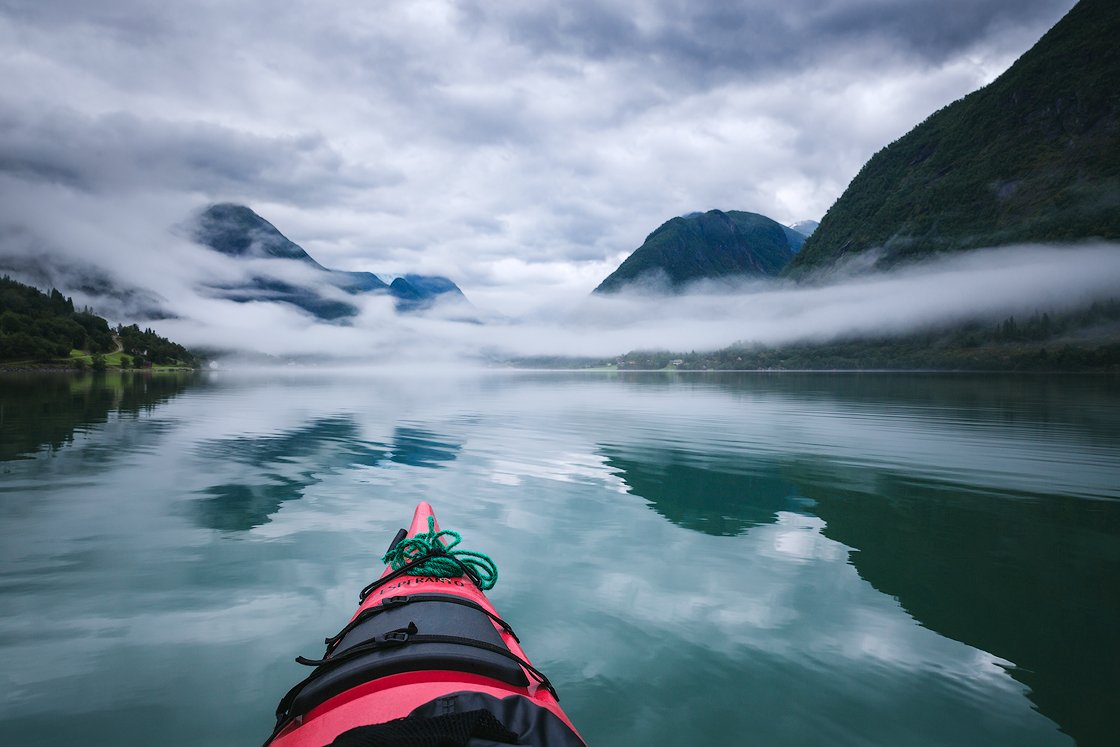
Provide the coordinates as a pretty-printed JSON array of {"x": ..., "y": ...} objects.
[
  {"x": 239, "y": 232},
  {"x": 1033, "y": 156},
  {"x": 715, "y": 245}
]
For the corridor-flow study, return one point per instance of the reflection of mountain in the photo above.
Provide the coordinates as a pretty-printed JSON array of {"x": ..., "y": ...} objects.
[
  {"x": 44, "y": 411},
  {"x": 994, "y": 571},
  {"x": 719, "y": 498},
  {"x": 262, "y": 472},
  {"x": 280, "y": 467},
  {"x": 417, "y": 447},
  {"x": 1029, "y": 577},
  {"x": 1085, "y": 401}
]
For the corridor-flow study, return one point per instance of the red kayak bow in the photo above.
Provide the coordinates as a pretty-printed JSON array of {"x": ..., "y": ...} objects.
[{"x": 425, "y": 657}]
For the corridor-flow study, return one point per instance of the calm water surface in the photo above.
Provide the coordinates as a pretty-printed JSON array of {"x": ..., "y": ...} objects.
[{"x": 694, "y": 559}]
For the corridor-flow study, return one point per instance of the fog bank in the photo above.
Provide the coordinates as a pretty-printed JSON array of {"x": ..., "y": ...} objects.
[{"x": 982, "y": 285}]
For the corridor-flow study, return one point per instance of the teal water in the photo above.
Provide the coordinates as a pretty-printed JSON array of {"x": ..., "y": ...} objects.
[{"x": 694, "y": 559}]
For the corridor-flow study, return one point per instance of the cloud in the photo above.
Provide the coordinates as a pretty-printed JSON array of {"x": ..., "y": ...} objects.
[
  {"x": 985, "y": 285},
  {"x": 481, "y": 141},
  {"x": 702, "y": 40},
  {"x": 121, "y": 152},
  {"x": 981, "y": 285},
  {"x": 136, "y": 245}
]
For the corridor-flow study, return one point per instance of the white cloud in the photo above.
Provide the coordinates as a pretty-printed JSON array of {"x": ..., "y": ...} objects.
[{"x": 454, "y": 137}]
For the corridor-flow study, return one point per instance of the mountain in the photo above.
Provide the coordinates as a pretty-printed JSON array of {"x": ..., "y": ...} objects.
[
  {"x": 1032, "y": 157},
  {"x": 237, "y": 231},
  {"x": 415, "y": 292},
  {"x": 711, "y": 245},
  {"x": 805, "y": 227}
]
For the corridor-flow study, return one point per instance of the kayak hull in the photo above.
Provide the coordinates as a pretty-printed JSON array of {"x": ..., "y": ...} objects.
[{"x": 396, "y": 695}]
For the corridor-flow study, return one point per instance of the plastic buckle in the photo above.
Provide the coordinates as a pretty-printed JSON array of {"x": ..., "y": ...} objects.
[
  {"x": 397, "y": 636},
  {"x": 394, "y": 601}
]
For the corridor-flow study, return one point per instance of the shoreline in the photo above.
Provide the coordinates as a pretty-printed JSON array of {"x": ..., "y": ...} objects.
[{"x": 88, "y": 370}]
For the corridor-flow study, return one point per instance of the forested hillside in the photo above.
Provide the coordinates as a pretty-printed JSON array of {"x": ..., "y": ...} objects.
[
  {"x": 35, "y": 325},
  {"x": 1032, "y": 157},
  {"x": 39, "y": 327},
  {"x": 715, "y": 245}
]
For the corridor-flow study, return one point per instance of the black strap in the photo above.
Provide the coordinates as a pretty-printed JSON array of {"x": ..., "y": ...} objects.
[
  {"x": 392, "y": 639},
  {"x": 411, "y": 634},
  {"x": 399, "y": 601}
]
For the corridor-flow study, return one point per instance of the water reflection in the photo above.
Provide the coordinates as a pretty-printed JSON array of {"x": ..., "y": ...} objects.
[
  {"x": 808, "y": 560},
  {"x": 44, "y": 411},
  {"x": 697, "y": 492},
  {"x": 1087, "y": 403},
  {"x": 265, "y": 471},
  {"x": 417, "y": 447},
  {"x": 1028, "y": 580},
  {"x": 1028, "y": 577}
]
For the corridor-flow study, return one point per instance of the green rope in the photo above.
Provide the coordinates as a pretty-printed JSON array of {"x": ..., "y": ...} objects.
[{"x": 441, "y": 565}]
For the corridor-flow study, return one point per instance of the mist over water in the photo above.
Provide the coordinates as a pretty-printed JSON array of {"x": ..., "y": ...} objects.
[
  {"x": 808, "y": 559},
  {"x": 524, "y": 317},
  {"x": 140, "y": 248},
  {"x": 988, "y": 285}
]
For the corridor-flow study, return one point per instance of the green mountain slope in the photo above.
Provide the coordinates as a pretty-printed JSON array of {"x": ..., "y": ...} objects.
[
  {"x": 711, "y": 245},
  {"x": 37, "y": 327},
  {"x": 1034, "y": 156},
  {"x": 239, "y": 232}
]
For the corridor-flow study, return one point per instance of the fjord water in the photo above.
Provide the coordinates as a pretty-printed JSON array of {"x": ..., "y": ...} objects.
[{"x": 693, "y": 559}]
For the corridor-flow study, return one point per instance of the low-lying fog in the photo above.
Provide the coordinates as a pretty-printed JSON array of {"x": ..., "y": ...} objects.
[
  {"x": 988, "y": 284},
  {"x": 149, "y": 261}
]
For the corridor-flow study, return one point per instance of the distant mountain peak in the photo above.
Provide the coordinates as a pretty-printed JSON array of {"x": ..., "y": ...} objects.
[
  {"x": 805, "y": 227},
  {"x": 707, "y": 246},
  {"x": 236, "y": 231}
]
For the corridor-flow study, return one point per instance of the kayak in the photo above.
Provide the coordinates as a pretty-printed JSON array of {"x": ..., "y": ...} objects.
[{"x": 425, "y": 659}]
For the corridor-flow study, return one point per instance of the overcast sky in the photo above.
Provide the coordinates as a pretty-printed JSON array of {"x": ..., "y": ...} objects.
[{"x": 521, "y": 148}]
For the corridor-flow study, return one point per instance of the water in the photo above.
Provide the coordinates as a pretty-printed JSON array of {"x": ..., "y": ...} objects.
[{"x": 694, "y": 559}]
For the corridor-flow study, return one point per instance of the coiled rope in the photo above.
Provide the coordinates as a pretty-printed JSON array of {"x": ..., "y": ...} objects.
[{"x": 443, "y": 560}]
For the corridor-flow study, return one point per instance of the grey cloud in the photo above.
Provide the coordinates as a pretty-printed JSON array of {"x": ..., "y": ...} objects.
[
  {"x": 113, "y": 297},
  {"x": 984, "y": 285},
  {"x": 133, "y": 18},
  {"x": 719, "y": 38},
  {"x": 520, "y": 148},
  {"x": 121, "y": 151}
]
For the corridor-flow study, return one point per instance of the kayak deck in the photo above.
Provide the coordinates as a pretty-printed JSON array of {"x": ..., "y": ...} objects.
[{"x": 415, "y": 641}]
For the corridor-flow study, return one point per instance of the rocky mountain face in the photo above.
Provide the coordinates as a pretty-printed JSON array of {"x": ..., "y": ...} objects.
[
  {"x": 715, "y": 245},
  {"x": 1032, "y": 157},
  {"x": 237, "y": 231}
]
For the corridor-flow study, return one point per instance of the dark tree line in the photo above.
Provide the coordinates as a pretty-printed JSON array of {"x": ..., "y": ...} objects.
[
  {"x": 1086, "y": 339},
  {"x": 40, "y": 326},
  {"x": 37, "y": 326},
  {"x": 147, "y": 346}
]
